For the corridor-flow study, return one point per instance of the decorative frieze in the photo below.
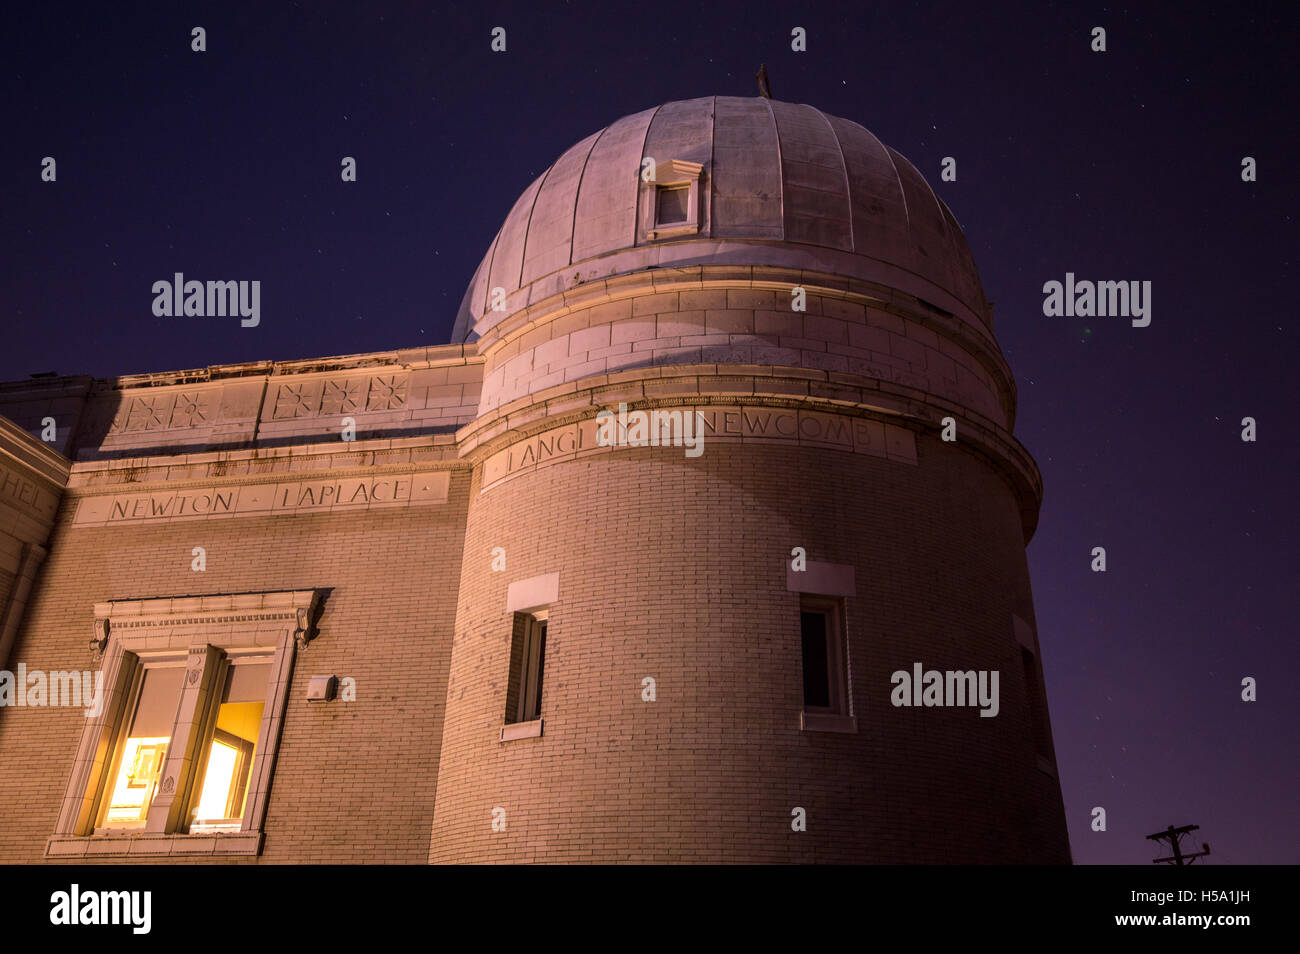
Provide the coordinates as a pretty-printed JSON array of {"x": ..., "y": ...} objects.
[
  {"x": 380, "y": 392},
  {"x": 150, "y": 412}
]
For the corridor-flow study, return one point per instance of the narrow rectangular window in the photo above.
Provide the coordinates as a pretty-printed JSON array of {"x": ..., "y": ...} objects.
[
  {"x": 816, "y": 678},
  {"x": 821, "y": 626},
  {"x": 527, "y": 665},
  {"x": 1037, "y": 712}
]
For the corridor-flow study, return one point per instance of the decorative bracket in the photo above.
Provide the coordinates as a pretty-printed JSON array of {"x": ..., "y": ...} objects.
[
  {"x": 100, "y": 639},
  {"x": 306, "y": 629}
]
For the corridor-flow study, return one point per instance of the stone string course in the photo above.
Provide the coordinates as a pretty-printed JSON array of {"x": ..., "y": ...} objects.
[{"x": 738, "y": 327}]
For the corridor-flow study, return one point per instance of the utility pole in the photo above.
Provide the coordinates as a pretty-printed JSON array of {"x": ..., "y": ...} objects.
[{"x": 1175, "y": 837}]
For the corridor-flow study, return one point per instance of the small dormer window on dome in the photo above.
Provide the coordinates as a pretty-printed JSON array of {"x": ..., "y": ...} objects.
[
  {"x": 671, "y": 201},
  {"x": 671, "y": 205}
]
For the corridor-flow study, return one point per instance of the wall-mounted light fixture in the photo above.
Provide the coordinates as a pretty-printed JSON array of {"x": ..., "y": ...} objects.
[{"x": 322, "y": 688}]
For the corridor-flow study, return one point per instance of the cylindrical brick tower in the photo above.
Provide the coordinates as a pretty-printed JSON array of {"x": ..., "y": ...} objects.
[{"x": 664, "y": 654}]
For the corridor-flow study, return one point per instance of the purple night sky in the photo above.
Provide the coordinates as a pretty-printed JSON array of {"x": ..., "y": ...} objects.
[{"x": 1117, "y": 166}]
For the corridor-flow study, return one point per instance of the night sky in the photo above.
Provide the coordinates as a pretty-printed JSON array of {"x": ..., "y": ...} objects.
[{"x": 1123, "y": 165}]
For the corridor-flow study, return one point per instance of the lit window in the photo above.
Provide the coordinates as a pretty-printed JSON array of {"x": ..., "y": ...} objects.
[
  {"x": 181, "y": 755},
  {"x": 230, "y": 753},
  {"x": 527, "y": 661},
  {"x": 234, "y": 718},
  {"x": 821, "y": 626},
  {"x": 140, "y": 760}
]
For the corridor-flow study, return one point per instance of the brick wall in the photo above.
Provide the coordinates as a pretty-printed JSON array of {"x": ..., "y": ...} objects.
[
  {"x": 670, "y": 567},
  {"x": 676, "y": 569},
  {"x": 354, "y": 782}
]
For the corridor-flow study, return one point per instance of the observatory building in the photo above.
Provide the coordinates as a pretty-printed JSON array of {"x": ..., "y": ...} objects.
[{"x": 703, "y": 541}]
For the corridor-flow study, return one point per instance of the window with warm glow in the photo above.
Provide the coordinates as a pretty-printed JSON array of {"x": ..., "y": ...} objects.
[
  {"x": 224, "y": 788},
  {"x": 224, "y": 751},
  {"x": 137, "y": 780},
  {"x": 180, "y": 758},
  {"x": 143, "y": 752}
]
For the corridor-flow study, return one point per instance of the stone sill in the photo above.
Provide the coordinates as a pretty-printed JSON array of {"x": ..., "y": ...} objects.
[
  {"x": 521, "y": 730},
  {"x": 827, "y": 722},
  {"x": 672, "y": 231},
  {"x": 151, "y": 845}
]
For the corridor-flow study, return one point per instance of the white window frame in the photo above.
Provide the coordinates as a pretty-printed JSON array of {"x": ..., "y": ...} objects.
[
  {"x": 830, "y": 585},
  {"x": 672, "y": 174},
  {"x": 530, "y": 671},
  {"x": 831, "y": 609},
  {"x": 526, "y": 720},
  {"x": 531, "y": 598},
  {"x": 213, "y": 633}
]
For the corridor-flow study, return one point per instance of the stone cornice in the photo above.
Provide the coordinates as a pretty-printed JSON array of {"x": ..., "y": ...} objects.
[
  {"x": 258, "y": 465},
  {"x": 702, "y": 277},
  {"x": 406, "y": 358},
  {"x": 417, "y": 392},
  {"x": 20, "y": 450},
  {"x": 252, "y": 608},
  {"x": 675, "y": 262},
  {"x": 748, "y": 386}
]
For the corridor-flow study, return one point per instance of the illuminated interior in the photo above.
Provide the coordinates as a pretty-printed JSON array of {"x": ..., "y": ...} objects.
[
  {"x": 230, "y": 759},
  {"x": 226, "y": 760},
  {"x": 137, "y": 779},
  {"x": 143, "y": 754},
  {"x": 218, "y": 780}
]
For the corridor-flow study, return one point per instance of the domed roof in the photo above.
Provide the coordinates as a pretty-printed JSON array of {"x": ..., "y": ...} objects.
[{"x": 779, "y": 184}]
